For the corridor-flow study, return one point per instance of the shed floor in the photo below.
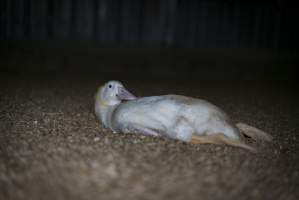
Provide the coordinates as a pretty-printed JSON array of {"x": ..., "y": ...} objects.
[{"x": 52, "y": 146}]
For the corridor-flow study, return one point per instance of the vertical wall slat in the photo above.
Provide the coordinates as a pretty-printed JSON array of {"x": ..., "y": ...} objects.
[
  {"x": 181, "y": 23},
  {"x": 95, "y": 20},
  {"x": 244, "y": 24},
  {"x": 100, "y": 19},
  {"x": 8, "y": 18},
  {"x": 109, "y": 21},
  {"x": 249, "y": 37},
  {"x": 27, "y": 19},
  {"x": 152, "y": 24},
  {"x": 130, "y": 21},
  {"x": 17, "y": 13},
  {"x": 258, "y": 27},
  {"x": 38, "y": 24},
  {"x": 3, "y": 19},
  {"x": 61, "y": 19},
  {"x": 50, "y": 19},
  {"x": 222, "y": 28},
  {"x": 84, "y": 19},
  {"x": 201, "y": 25},
  {"x": 212, "y": 24},
  {"x": 170, "y": 22}
]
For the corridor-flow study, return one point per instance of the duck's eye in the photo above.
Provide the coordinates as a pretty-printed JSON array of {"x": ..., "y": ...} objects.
[{"x": 110, "y": 86}]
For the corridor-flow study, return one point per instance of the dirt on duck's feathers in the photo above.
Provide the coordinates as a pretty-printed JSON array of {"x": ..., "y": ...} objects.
[{"x": 52, "y": 147}]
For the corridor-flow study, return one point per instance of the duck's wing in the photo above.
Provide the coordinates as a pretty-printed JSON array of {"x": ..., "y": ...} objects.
[{"x": 150, "y": 116}]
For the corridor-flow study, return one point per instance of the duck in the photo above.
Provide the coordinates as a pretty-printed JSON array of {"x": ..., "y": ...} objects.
[{"x": 184, "y": 118}]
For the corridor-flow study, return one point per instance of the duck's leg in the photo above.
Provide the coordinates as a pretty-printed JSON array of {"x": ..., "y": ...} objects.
[{"x": 220, "y": 138}]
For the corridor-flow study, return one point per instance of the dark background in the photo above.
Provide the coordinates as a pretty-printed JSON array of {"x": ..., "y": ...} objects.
[
  {"x": 150, "y": 39},
  {"x": 241, "y": 55}
]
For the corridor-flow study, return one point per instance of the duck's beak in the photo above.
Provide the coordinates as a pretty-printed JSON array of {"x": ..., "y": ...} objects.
[{"x": 124, "y": 94}]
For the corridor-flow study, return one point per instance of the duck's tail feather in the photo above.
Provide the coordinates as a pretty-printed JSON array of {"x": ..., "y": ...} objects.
[{"x": 253, "y": 132}]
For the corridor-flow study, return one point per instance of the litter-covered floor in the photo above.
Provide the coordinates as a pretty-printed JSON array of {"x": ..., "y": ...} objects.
[{"x": 52, "y": 146}]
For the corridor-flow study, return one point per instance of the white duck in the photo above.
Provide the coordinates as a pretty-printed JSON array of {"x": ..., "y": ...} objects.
[{"x": 179, "y": 117}]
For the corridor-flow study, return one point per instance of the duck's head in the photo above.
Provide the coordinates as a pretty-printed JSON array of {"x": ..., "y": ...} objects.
[{"x": 112, "y": 93}]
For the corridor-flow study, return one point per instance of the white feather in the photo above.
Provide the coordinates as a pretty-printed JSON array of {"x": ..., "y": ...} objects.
[{"x": 172, "y": 116}]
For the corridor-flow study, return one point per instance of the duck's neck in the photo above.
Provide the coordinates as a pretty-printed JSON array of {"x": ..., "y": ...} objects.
[{"x": 104, "y": 113}]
